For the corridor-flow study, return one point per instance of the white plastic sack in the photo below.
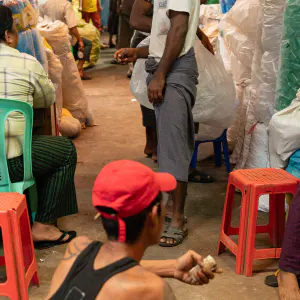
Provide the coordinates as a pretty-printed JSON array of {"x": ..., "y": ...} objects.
[
  {"x": 259, "y": 158},
  {"x": 55, "y": 70},
  {"x": 69, "y": 127},
  {"x": 74, "y": 99},
  {"x": 215, "y": 103},
  {"x": 284, "y": 134}
]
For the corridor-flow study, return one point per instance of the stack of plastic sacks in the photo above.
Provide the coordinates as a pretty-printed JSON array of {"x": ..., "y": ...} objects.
[
  {"x": 74, "y": 99},
  {"x": 210, "y": 16},
  {"x": 238, "y": 28},
  {"x": 25, "y": 17},
  {"x": 90, "y": 32},
  {"x": 238, "y": 31},
  {"x": 289, "y": 74}
]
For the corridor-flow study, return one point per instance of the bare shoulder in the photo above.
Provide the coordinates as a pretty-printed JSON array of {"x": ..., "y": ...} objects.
[{"x": 74, "y": 248}]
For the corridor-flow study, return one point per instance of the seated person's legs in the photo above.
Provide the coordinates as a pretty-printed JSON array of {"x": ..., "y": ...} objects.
[
  {"x": 290, "y": 256},
  {"x": 54, "y": 162},
  {"x": 86, "y": 57}
]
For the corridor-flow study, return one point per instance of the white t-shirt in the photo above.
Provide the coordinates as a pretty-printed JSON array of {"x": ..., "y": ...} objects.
[{"x": 161, "y": 24}]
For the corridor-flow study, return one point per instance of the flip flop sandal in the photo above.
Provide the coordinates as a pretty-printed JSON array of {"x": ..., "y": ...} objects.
[
  {"x": 204, "y": 178},
  {"x": 85, "y": 77},
  {"x": 272, "y": 281},
  {"x": 176, "y": 234},
  {"x": 42, "y": 245}
]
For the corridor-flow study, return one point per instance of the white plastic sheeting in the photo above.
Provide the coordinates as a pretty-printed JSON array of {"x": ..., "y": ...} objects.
[
  {"x": 271, "y": 32},
  {"x": 284, "y": 134},
  {"x": 238, "y": 28}
]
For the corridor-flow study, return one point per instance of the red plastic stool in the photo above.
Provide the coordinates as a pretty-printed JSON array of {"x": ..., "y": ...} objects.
[
  {"x": 19, "y": 257},
  {"x": 253, "y": 183}
]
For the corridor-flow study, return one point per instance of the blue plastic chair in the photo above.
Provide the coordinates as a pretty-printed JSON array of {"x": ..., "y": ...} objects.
[
  {"x": 219, "y": 143},
  {"x": 6, "y": 108}
]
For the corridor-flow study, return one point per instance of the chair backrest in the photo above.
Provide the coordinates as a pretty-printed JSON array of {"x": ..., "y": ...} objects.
[{"x": 6, "y": 108}]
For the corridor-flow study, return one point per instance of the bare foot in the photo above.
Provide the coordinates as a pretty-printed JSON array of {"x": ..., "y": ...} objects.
[
  {"x": 46, "y": 232},
  {"x": 288, "y": 286}
]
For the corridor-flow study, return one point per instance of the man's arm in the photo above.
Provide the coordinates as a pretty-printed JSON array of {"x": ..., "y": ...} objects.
[
  {"x": 205, "y": 40},
  {"x": 139, "y": 19},
  {"x": 174, "y": 45},
  {"x": 74, "y": 32},
  {"x": 162, "y": 268}
]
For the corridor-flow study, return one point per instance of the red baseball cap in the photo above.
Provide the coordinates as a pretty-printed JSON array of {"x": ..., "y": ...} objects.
[{"x": 128, "y": 187}]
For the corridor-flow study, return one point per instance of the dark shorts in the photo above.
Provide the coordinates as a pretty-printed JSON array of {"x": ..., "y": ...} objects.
[{"x": 87, "y": 50}]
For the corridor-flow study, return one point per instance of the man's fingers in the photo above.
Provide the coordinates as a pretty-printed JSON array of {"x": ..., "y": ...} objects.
[{"x": 197, "y": 258}]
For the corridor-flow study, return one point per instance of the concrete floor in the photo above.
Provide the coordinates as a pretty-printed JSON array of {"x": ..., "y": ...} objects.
[{"x": 119, "y": 135}]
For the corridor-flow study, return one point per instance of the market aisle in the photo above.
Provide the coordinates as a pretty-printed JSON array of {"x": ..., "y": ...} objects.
[{"x": 119, "y": 135}]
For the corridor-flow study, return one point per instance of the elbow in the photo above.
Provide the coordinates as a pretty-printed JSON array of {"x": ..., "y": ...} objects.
[{"x": 134, "y": 23}]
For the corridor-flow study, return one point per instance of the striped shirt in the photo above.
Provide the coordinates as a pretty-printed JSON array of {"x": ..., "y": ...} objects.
[{"x": 22, "y": 78}]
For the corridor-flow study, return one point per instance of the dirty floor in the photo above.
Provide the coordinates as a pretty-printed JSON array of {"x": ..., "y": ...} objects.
[{"x": 120, "y": 135}]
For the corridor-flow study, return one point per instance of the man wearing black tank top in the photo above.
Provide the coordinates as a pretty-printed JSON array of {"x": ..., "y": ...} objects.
[{"x": 130, "y": 198}]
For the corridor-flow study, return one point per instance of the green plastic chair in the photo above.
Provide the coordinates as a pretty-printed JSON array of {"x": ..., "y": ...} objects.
[{"x": 6, "y": 108}]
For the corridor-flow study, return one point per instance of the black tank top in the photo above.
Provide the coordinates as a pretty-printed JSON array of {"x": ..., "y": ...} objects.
[{"x": 83, "y": 282}]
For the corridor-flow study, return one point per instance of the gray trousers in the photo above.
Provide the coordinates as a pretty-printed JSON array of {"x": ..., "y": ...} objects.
[{"x": 174, "y": 118}]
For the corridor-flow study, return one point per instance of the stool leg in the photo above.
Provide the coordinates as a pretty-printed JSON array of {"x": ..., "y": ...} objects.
[
  {"x": 243, "y": 231},
  {"x": 226, "y": 155},
  {"x": 277, "y": 219},
  {"x": 11, "y": 287},
  {"x": 280, "y": 217},
  {"x": 22, "y": 254},
  {"x": 250, "y": 247},
  {"x": 218, "y": 154},
  {"x": 227, "y": 215},
  {"x": 194, "y": 158}
]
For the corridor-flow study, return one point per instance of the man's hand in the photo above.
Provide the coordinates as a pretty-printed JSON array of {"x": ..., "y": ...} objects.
[
  {"x": 126, "y": 55},
  {"x": 81, "y": 46},
  {"x": 207, "y": 44},
  {"x": 185, "y": 263},
  {"x": 156, "y": 87}
]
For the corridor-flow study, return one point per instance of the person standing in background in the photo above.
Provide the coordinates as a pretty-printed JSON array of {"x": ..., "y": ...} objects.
[
  {"x": 91, "y": 11},
  {"x": 62, "y": 10},
  {"x": 113, "y": 22},
  {"x": 144, "y": 11},
  {"x": 125, "y": 33}
]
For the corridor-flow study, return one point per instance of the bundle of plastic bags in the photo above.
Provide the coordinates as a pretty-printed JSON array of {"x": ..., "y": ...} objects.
[
  {"x": 284, "y": 134},
  {"x": 90, "y": 32},
  {"x": 238, "y": 28},
  {"x": 24, "y": 14},
  {"x": 215, "y": 103},
  {"x": 268, "y": 65},
  {"x": 74, "y": 99},
  {"x": 26, "y": 18}
]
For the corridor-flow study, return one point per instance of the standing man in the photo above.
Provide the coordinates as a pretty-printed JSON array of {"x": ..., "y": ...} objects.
[
  {"x": 91, "y": 11},
  {"x": 62, "y": 10},
  {"x": 172, "y": 81}
]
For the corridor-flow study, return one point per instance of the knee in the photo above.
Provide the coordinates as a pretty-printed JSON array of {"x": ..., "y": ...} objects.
[{"x": 72, "y": 159}]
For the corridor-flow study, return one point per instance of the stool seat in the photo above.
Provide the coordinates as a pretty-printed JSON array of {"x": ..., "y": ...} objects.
[
  {"x": 254, "y": 183},
  {"x": 261, "y": 177}
]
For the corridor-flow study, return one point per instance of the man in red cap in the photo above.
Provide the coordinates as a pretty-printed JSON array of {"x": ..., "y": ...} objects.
[{"x": 130, "y": 198}]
